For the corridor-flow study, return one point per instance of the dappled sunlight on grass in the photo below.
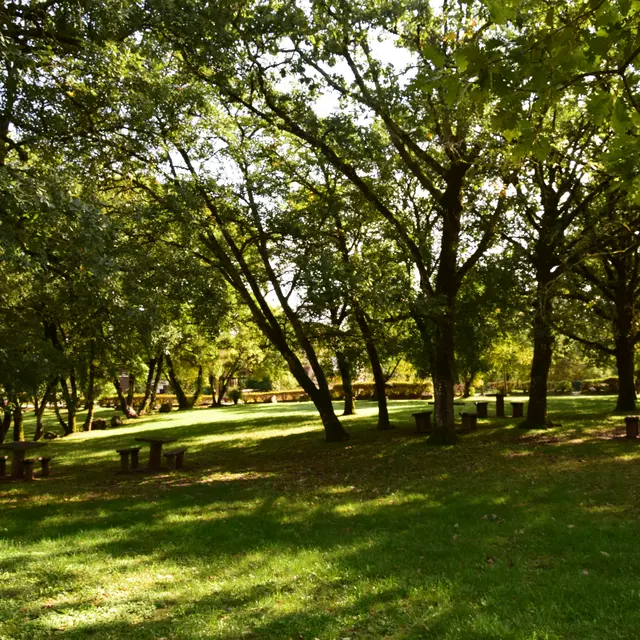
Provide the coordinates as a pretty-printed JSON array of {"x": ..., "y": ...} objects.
[{"x": 271, "y": 533}]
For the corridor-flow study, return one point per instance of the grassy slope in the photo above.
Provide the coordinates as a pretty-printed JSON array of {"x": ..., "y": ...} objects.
[{"x": 272, "y": 533}]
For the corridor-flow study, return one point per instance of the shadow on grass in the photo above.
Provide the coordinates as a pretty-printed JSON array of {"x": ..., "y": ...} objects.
[{"x": 286, "y": 537}]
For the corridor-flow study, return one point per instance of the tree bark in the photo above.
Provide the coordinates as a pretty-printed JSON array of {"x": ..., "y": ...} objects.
[
  {"x": 378, "y": 374},
  {"x": 198, "y": 392},
  {"x": 443, "y": 381},
  {"x": 344, "y": 366},
  {"x": 625, "y": 364},
  {"x": 6, "y": 419},
  {"x": 70, "y": 426},
  {"x": 131, "y": 392},
  {"x": 40, "y": 408},
  {"x": 214, "y": 390},
  {"x": 88, "y": 422},
  {"x": 18, "y": 422},
  {"x": 543, "y": 341},
  {"x": 143, "y": 407},
  {"x": 156, "y": 382},
  {"x": 122, "y": 401},
  {"x": 181, "y": 397}
]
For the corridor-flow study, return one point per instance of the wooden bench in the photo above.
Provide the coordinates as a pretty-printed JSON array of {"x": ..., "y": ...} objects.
[
  {"x": 469, "y": 421},
  {"x": 45, "y": 467},
  {"x": 632, "y": 424},
  {"x": 3, "y": 466},
  {"x": 27, "y": 468},
  {"x": 423, "y": 421},
  {"x": 124, "y": 457},
  {"x": 175, "y": 458}
]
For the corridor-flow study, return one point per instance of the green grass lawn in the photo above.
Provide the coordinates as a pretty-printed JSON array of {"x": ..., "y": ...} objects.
[{"x": 271, "y": 533}]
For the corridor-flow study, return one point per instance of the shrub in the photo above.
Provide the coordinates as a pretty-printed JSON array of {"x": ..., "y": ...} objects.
[
  {"x": 607, "y": 386},
  {"x": 394, "y": 390},
  {"x": 235, "y": 395},
  {"x": 166, "y": 407}
]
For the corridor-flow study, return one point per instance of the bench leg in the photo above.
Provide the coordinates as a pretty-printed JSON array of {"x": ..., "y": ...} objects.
[
  {"x": 46, "y": 469},
  {"x": 180, "y": 461},
  {"x": 134, "y": 459},
  {"x": 124, "y": 462},
  {"x": 3, "y": 467}
]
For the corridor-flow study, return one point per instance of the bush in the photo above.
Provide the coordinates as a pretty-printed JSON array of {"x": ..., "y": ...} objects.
[
  {"x": 394, "y": 390},
  {"x": 559, "y": 386},
  {"x": 166, "y": 407},
  {"x": 291, "y": 395},
  {"x": 234, "y": 395},
  {"x": 607, "y": 386}
]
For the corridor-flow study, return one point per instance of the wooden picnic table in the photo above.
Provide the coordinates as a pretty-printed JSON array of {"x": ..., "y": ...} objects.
[
  {"x": 18, "y": 450},
  {"x": 155, "y": 453}
]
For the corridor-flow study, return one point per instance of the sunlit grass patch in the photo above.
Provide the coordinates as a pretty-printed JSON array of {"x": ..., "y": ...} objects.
[{"x": 271, "y": 533}]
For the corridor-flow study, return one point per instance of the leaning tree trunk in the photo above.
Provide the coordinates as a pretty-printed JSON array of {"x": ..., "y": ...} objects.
[
  {"x": 444, "y": 379},
  {"x": 18, "y": 422},
  {"x": 199, "y": 384},
  {"x": 143, "y": 407},
  {"x": 156, "y": 382},
  {"x": 40, "y": 409},
  {"x": 378, "y": 374},
  {"x": 181, "y": 396},
  {"x": 6, "y": 419},
  {"x": 543, "y": 341},
  {"x": 626, "y": 383},
  {"x": 122, "y": 401}
]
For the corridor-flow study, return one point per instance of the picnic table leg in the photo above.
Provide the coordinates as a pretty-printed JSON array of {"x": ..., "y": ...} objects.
[
  {"x": 17, "y": 471},
  {"x": 155, "y": 456}
]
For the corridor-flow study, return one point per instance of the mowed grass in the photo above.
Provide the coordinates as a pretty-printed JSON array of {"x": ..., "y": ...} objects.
[{"x": 272, "y": 533}]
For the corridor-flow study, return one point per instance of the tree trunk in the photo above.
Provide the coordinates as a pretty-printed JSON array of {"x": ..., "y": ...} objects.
[
  {"x": 61, "y": 420},
  {"x": 90, "y": 397},
  {"x": 18, "y": 422},
  {"x": 131, "y": 392},
  {"x": 214, "y": 390},
  {"x": 344, "y": 366},
  {"x": 198, "y": 392},
  {"x": 626, "y": 383},
  {"x": 122, "y": 401},
  {"x": 71, "y": 425},
  {"x": 378, "y": 374},
  {"x": 543, "y": 341},
  {"x": 6, "y": 419},
  {"x": 443, "y": 381},
  {"x": 467, "y": 386},
  {"x": 156, "y": 382},
  {"x": 181, "y": 397},
  {"x": 143, "y": 407},
  {"x": 40, "y": 409}
]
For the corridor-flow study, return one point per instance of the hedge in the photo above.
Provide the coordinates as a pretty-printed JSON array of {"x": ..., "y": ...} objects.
[
  {"x": 362, "y": 390},
  {"x": 395, "y": 390}
]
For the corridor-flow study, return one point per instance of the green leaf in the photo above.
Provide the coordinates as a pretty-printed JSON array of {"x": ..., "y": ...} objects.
[
  {"x": 461, "y": 60},
  {"x": 620, "y": 118},
  {"x": 599, "y": 106},
  {"x": 434, "y": 55}
]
